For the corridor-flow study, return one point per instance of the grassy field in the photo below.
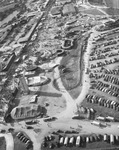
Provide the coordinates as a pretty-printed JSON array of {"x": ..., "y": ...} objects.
[{"x": 71, "y": 78}]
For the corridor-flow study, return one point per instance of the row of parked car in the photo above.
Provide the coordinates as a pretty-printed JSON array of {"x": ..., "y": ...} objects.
[
  {"x": 95, "y": 75},
  {"x": 111, "y": 79},
  {"x": 106, "y": 62},
  {"x": 107, "y": 89},
  {"x": 98, "y": 51},
  {"x": 97, "y": 57},
  {"x": 103, "y": 56},
  {"x": 71, "y": 141},
  {"x": 111, "y": 138},
  {"x": 102, "y": 102},
  {"x": 105, "y": 37},
  {"x": 114, "y": 71},
  {"x": 25, "y": 140}
]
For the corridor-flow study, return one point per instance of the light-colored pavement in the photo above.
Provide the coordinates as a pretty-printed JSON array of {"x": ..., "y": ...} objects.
[{"x": 9, "y": 141}]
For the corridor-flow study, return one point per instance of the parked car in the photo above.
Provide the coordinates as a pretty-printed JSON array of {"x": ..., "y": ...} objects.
[
  {"x": 29, "y": 127},
  {"x": 10, "y": 129},
  {"x": 44, "y": 144},
  {"x": 51, "y": 145},
  {"x": 50, "y": 119},
  {"x": 31, "y": 122}
]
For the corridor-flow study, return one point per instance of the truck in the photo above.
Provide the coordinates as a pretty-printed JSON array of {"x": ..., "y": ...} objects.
[
  {"x": 61, "y": 140},
  {"x": 66, "y": 141},
  {"x": 105, "y": 137},
  {"x": 87, "y": 139},
  {"x": 78, "y": 141},
  {"x": 112, "y": 139},
  {"x": 96, "y": 123},
  {"x": 71, "y": 141}
]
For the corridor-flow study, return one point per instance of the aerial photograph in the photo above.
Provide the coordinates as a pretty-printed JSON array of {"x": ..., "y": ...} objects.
[{"x": 59, "y": 74}]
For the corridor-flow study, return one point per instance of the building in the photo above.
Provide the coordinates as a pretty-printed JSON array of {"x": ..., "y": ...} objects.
[
  {"x": 68, "y": 9},
  {"x": 26, "y": 111},
  {"x": 24, "y": 85},
  {"x": 36, "y": 81}
]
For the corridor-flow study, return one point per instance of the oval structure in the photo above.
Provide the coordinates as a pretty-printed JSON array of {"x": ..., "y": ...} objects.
[{"x": 26, "y": 111}]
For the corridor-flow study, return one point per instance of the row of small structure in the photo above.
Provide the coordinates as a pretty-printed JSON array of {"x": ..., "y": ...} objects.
[
  {"x": 102, "y": 102},
  {"x": 79, "y": 140}
]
